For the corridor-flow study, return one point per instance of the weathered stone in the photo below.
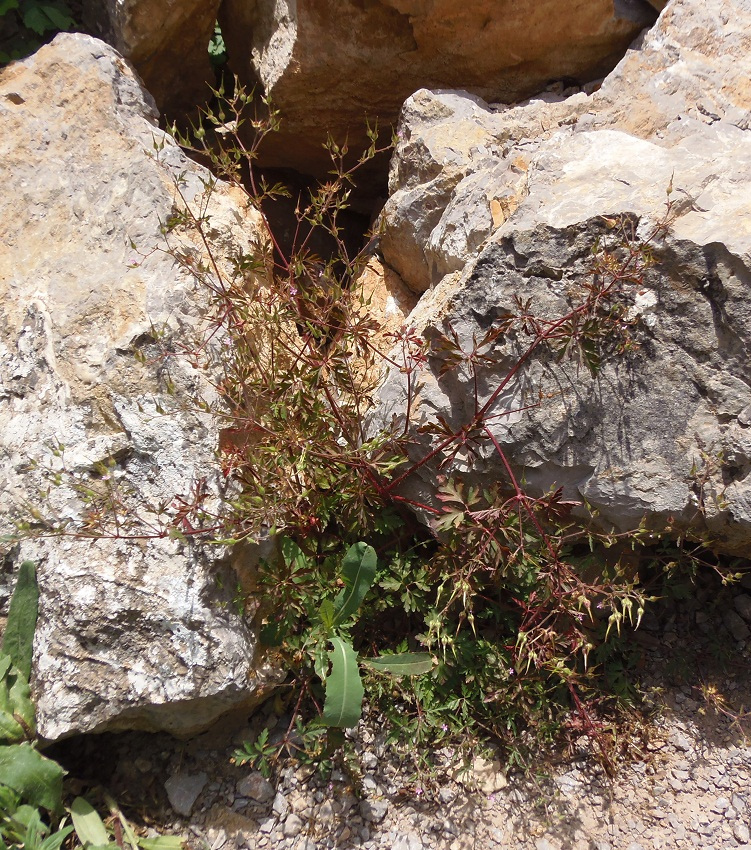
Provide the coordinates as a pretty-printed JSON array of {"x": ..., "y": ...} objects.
[
  {"x": 645, "y": 435},
  {"x": 374, "y": 811},
  {"x": 183, "y": 789},
  {"x": 742, "y": 604},
  {"x": 133, "y": 633},
  {"x": 166, "y": 42},
  {"x": 736, "y": 625},
  {"x": 366, "y": 58},
  {"x": 483, "y": 775},
  {"x": 292, "y": 826},
  {"x": 257, "y": 787}
]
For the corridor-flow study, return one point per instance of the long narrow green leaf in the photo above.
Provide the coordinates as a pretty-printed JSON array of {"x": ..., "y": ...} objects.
[
  {"x": 56, "y": 839},
  {"x": 402, "y": 664},
  {"x": 15, "y": 704},
  {"x": 89, "y": 826},
  {"x": 19, "y": 703},
  {"x": 18, "y": 639},
  {"x": 37, "y": 779},
  {"x": 358, "y": 571},
  {"x": 162, "y": 842},
  {"x": 344, "y": 690}
]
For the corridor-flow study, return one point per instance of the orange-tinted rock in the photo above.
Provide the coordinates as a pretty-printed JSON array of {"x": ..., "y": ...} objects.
[{"x": 329, "y": 63}]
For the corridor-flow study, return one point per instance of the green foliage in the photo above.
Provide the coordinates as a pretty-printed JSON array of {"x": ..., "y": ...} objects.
[
  {"x": 93, "y": 834},
  {"x": 35, "y": 779},
  {"x": 331, "y": 624},
  {"x": 18, "y": 638},
  {"x": 26, "y": 24},
  {"x": 217, "y": 48},
  {"x": 16, "y": 707},
  {"x": 260, "y": 753},
  {"x": 38, "y": 780},
  {"x": 21, "y": 826},
  {"x": 89, "y": 826},
  {"x": 502, "y": 616},
  {"x": 358, "y": 573},
  {"x": 505, "y": 617},
  {"x": 28, "y": 780},
  {"x": 402, "y": 664},
  {"x": 344, "y": 690}
]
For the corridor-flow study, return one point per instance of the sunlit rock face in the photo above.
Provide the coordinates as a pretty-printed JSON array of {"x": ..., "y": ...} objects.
[
  {"x": 488, "y": 203},
  {"x": 330, "y": 64},
  {"x": 134, "y": 629}
]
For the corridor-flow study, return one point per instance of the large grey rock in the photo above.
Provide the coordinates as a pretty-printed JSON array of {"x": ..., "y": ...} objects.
[
  {"x": 328, "y": 64},
  {"x": 518, "y": 198},
  {"x": 133, "y": 633},
  {"x": 167, "y": 42}
]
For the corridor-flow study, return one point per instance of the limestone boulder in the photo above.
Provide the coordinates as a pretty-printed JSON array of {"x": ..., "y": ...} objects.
[
  {"x": 100, "y": 414},
  {"x": 165, "y": 40},
  {"x": 663, "y": 431},
  {"x": 329, "y": 64}
]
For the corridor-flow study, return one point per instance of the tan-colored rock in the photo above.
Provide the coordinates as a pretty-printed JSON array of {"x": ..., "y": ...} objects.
[
  {"x": 328, "y": 64},
  {"x": 133, "y": 633},
  {"x": 384, "y": 296},
  {"x": 166, "y": 40}
]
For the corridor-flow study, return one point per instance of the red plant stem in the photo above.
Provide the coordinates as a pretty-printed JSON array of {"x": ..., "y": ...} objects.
[
  {"x": 542, "y": 336},
  {"x": 521, "y": 496}
]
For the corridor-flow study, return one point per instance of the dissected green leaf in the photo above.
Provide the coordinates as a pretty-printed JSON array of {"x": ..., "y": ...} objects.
[
  {"x": 293, "y": 554},
  {"x": 344, "y": 690},
  {"x": 358, "y": 571},
  {"x": 59, "y": 15},
  {"x": 402, "y": 664},
  {"x": 35, "y": 19},
  {"x": 47, "y": 17},
  {"x": 7, "y": 5},
  {"x": 89, "y": 827},
  {"x": 37, "y": 779},
  {"x": 18, "y": 638},
  {"x": 327, "y": 613}
]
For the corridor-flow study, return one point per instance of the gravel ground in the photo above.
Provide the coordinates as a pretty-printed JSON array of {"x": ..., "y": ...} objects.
[{"x": 690, "y": 788}]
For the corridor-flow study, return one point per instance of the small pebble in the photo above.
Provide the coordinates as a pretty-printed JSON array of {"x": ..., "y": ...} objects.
[
  {"x": 183, "y": 790},
  {"x": 374, "y": 811},
  {"x": 280, "y": 804},
  {"x": 742, "y": 604},
  {"x": 257, "y": 787},
  {"x": 292, "y": 826}
]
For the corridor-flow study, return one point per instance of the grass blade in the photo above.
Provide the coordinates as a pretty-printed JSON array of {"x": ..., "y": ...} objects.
[{"x": 402, "y": 663}]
